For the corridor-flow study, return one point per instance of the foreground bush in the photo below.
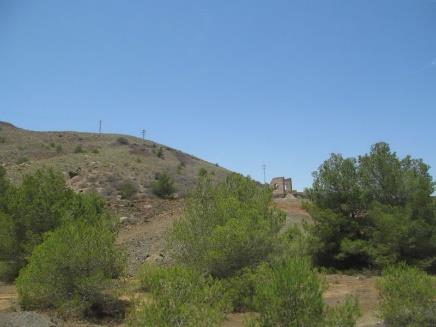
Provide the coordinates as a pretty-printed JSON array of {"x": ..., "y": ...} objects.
[
  {"x": 290, "y": 294},
  {"x": 40, "y": 204},
  {"x": 180, "y": 297},
  {"x": 408, "y": 297},
  {"x": 70, "y": 269},
  {"x": 226, "y": 227},
  {"x": 30, "y": 210}
]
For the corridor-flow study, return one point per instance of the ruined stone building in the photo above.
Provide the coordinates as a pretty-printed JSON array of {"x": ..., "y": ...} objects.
[{"x": 281, "y": 186}]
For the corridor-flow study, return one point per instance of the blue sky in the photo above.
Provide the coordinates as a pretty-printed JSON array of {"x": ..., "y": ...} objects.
[{"x": 241, "y": 83}]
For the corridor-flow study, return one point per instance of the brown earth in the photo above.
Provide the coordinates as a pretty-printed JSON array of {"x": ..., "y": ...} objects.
[{"x": 8, "y": 297}]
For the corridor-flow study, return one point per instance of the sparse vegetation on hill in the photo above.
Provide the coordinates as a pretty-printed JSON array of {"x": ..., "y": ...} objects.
[
  {"x": 127, "y": 190},
  {"x": 136, "y": 160},
  {"x": 122, "y": 140},
  {"x": 79, "y": 149}
]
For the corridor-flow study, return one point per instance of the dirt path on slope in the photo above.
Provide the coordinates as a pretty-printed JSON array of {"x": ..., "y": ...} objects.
[
  {"x": 8, "y": 297},
  {"x": 295, "y": 214},
  {"x": 146, "y": 238}
]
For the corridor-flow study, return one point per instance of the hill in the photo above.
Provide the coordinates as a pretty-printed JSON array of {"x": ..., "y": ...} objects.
[
  {"x": 100, "y": 162},
  {"x": 105, "y": 163}
]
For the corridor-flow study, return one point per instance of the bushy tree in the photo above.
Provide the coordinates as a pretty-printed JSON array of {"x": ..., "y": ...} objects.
[
  {"x": 70, "y": 269},
  {"x": 226, "y": 227},
  {"x": 40, "y": 204},
  {"x": 180, "y": 297},
  {"x": 408, "y": 297},
  {"x": 289, "y": 293},
  {"x": 373, "y": 210},
  {"x": 163, "y": 186}
]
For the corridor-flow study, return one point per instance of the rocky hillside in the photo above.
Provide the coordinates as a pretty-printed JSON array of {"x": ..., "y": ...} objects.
[{"x": 103, "y": 163}]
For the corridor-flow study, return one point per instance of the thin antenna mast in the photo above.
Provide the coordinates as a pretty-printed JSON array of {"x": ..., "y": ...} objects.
[
  {"x": 264, "y": 173},
  {"x": 99, "y": 127},
  {"x": 143, "y": 135}
]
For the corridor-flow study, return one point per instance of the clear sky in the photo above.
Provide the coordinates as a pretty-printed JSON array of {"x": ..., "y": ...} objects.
[{"x": 237, "y": 82}]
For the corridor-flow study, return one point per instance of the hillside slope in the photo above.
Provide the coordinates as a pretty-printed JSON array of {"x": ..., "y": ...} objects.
[{"x": 102, "y": 162}]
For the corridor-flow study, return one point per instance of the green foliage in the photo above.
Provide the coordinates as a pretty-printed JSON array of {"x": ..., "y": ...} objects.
[
  {"x": 241, "y": 288},
  {"x": 122, "y": 140},
  {"x": 59, "y": 148},
  {"x": 163, "y": 186},
  {"x": 160, "y": 153},
  {"x": 180, "y": 297},
  {"x": 202, "y": 172},
  {"x": 127, "y": 190},
  {"x": 290, "y": 294},
  {"x": 95, "y": 151},
  {"x": 22, "y": 160},
  {"x": 40, "y": 204},
  {"x": 2, "y": 139},
  {"x": 180, "y": 167},
  {"x": 79, "y": 149},
  {"x": 344, "y": 315},
  {"x": 408, "y": 297},
  {"x": 373, "y": 211},
  {"x": 226, "y": 227},
  {"x": 70, "y": 269}
]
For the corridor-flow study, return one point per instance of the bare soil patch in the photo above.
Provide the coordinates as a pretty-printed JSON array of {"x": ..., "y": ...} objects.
[{"x": 340, "y": 286}]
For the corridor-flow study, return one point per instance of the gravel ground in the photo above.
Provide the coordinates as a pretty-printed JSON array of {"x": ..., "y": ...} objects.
[{"x": 25, "y": 319}]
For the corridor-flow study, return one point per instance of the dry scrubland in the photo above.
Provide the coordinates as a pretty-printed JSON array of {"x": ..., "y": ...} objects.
[{"x": 106, "y": 164}]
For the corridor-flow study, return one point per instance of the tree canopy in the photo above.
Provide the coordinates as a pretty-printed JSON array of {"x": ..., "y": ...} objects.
[{"x": 373, "y": 210}]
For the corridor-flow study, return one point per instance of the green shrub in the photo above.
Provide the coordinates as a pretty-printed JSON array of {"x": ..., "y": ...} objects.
[
  {"x": 22, "y": 160},
  {"x": 160, "y": 153},
  {"x": 241, "y": 289},
  {"x": 180, "y": 167},
  {"x": 163, "y": 186},
  {"x": 180, "y": 297},
  {"x": 95, "y": 151},
  {"x": 79, "y": 149},
  {"x": 122, "y": 140},
  {"x": 290, "y": 294},
  {"x": 408, "y": 297},
  {"x": 127, "y": 190},
  {"x": 2, "y": 139},
  {"x": 202, "y": 172},
  {"x": 52, "y": 144},
  {"x": 344, "y": 315},
  {"x": 226, "y": 227},
  {"x": 59, "y": 148},
  {"x": 70, "y": 269},
  {"x": 40, "y": 204}
]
